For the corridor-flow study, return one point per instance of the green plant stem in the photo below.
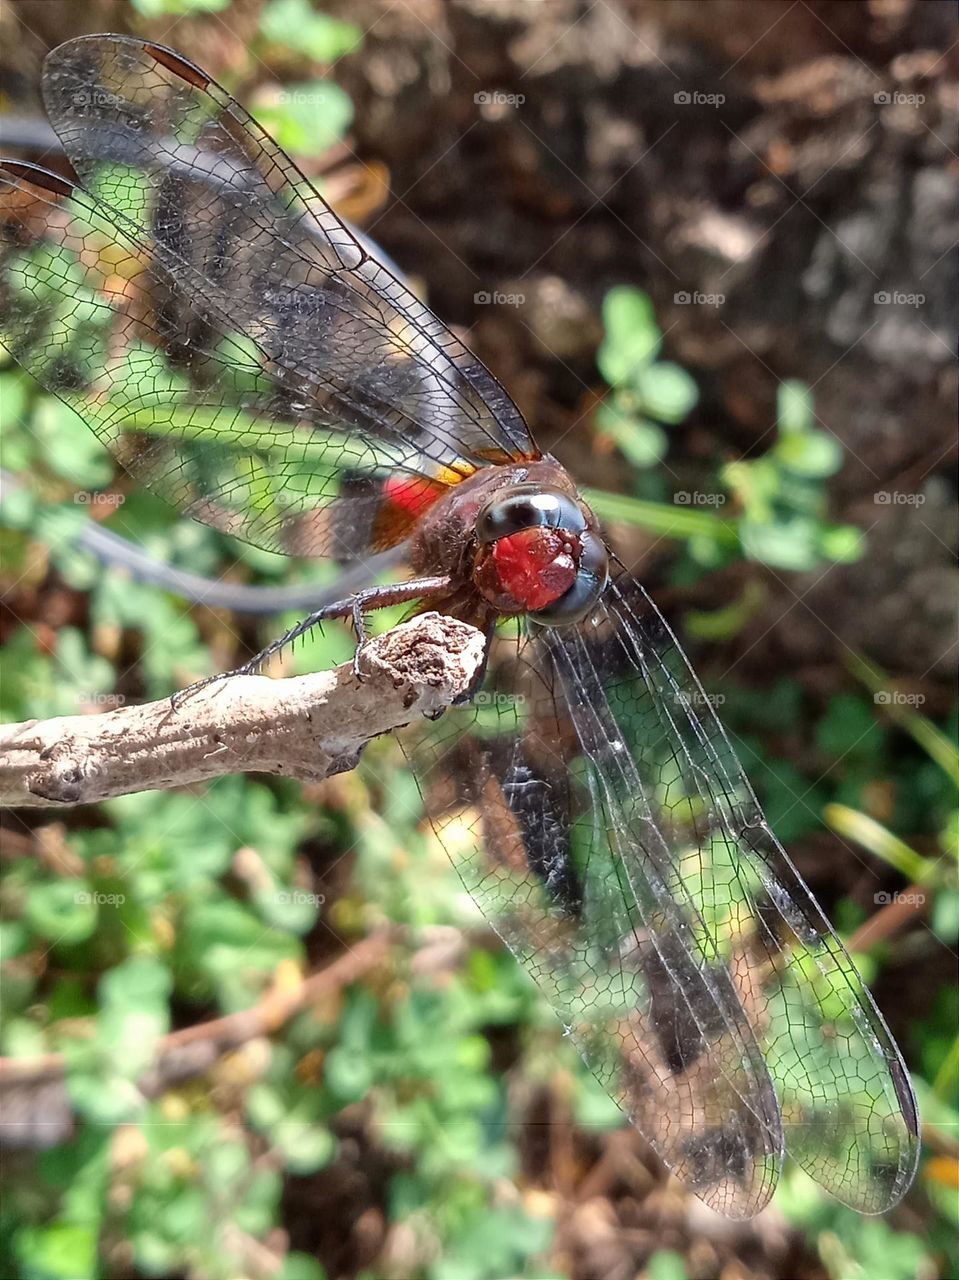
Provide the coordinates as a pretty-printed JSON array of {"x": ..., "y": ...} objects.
[
  {"x": 872, "y": 835},
  {"x": 919, "y": 727},
  {"x": 660, "y": 517},
  {"x": 946, "y": 1075}
]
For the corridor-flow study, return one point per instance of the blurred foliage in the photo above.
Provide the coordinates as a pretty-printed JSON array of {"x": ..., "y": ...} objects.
[
  {"x": 162, "y": 910},
  {"x": 780, "y": 500}
]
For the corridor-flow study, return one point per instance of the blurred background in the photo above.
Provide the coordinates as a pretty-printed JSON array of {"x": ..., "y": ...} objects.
[{"x": 709, "y": 249}]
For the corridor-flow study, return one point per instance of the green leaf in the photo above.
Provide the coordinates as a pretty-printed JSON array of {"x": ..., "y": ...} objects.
[
  {"x": 141, "y": 982},
  {"x": 842, "y": 543},
  {"x": 632, "y": 336},
  {"x": 786, "y": 544},
  {"x": 61, "y": 1251},
  {"x": 229, "y": 949},
  {"x": 69, "y": 447},
  {"x": 300, "y": 1266},
  {"x": 257, "y": 1211},
  {"x": 105, "y": 1100},
  {"x": 227, "y": 1164},
  {"x": 15, "y": 396},
  {"x": 308, "y": 118},
  {"x": 628, "y": 311},
  {"x": 642, "y": 443},
  {"x": 63, "y": 911},
  {"x": 794, "y": 406},
  {"x": 666, "y": 1264},
  {"x": 348, "y": 1073},
  {"x": 848, "y": 726},
  {"x": 296, "y": 25},
  {"x": 815, "y": 454},
  {"x": 305, "y": 1148},
  {"x": 265, "y": 1106},
  {"x": 667, "y": 391}
]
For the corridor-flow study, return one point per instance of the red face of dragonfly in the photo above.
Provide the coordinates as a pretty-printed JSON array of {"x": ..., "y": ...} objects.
[{"x": 241, "y": 351}]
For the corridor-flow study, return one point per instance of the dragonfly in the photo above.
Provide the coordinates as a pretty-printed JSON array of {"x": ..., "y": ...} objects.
[{"x": 244, "y": 354}]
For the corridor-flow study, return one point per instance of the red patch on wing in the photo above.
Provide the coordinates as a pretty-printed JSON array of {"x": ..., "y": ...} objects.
[
  {"x": 412, "y": 494},
  {"x": 405, "y": 499},
  {"x": 536, "y": 566}
]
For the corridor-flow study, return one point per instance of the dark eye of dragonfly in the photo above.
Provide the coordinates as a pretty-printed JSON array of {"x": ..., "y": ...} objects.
[{"x": 538, "y": 555}]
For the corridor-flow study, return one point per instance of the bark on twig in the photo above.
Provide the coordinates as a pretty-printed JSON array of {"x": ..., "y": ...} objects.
[{"x": 307, "y": 727}]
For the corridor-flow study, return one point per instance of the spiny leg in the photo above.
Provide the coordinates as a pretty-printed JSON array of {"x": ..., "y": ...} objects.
[{"x": 376, "y": 597}]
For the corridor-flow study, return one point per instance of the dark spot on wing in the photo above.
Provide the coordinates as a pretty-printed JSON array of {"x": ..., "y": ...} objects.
[{"x": 545, "y": 833}]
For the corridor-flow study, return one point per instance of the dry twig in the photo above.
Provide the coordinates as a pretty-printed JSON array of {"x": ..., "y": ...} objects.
[{"x": 307, "y": 727}]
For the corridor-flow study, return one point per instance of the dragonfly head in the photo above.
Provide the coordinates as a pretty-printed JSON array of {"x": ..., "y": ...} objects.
[{"x": 539, "y": 553}]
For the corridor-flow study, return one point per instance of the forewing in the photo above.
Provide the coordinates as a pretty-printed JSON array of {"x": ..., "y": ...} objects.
[
  {"x": 192, "y": 407},
  {"x": 150, "y": 134},
  {"x": 849, "y": 1114},
  {"x": 557, "y": 841}
]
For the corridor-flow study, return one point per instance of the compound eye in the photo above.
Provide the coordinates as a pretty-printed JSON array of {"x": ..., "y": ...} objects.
[
  {"x": 527, "y": 508},
  {"x": 591, "y": 578}
]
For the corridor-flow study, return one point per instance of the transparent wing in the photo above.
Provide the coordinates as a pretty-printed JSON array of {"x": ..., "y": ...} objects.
[
  {"x": 618, "y": 850},
  {"x": 153, "y": 136},
  {"x": 567, "y": 864},
  {"x": 220, "y": 329},
  {"x": 192, "y": 407},
  {"x": 849, "y": 1113}
]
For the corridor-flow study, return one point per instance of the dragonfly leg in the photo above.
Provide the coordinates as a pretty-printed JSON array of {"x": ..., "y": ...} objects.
[
  {"x": 376, "y": 597},
  {"x": 380, "y": 598}
]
